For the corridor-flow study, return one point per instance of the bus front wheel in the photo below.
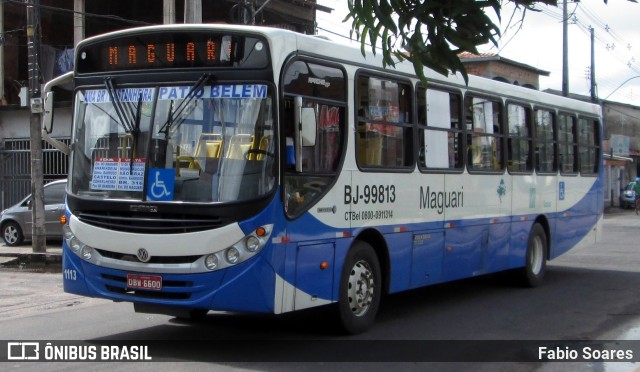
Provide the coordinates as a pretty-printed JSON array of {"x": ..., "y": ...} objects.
[
  {"x": 360, "y": 289},
  {"x": 532, "y": 274}
]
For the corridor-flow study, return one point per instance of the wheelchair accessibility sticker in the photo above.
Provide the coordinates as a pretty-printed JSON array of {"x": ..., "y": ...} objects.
[{"x": 160, "y": 184}]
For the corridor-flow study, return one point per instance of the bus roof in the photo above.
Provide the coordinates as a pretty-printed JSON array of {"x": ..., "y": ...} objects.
[{"x": 292, "y": 42}]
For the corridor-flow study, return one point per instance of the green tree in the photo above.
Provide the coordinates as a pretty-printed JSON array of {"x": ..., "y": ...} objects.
[{"x": 428, "y": 33}]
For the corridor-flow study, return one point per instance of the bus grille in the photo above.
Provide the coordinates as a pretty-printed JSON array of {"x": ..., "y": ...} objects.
[
  {"x": 160, "y": 224},
  {"x": 153, "y": 260}
]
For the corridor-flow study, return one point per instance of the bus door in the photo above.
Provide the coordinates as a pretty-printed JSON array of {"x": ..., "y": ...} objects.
[{"x": 313, "y": 129}]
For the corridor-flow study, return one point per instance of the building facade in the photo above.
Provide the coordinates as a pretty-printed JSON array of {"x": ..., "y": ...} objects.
[{"x": 495, "y": 67}]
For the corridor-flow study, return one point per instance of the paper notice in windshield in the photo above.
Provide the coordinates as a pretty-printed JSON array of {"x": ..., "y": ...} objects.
[{"x": 118, "y": 174}]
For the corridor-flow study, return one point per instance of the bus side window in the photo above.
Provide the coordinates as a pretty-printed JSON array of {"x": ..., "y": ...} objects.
[
  {"x": 385, "y": 126},
  {"x": 519, "y": 138},
  {"x": 567, "y": 144},
  {"x": 588, "y": 147},
  {"x": 485, "y": 133},
  {"x": 440, "y": 130},
  {"x": 545, "y": 146}
]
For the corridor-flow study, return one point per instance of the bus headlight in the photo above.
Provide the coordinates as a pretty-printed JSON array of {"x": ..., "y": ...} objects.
[
  {"x": 87, "y": 252},
  {"x": 75, "y": 244},
  {"x": 239, "y": 252},
  {"x": 233, "y": 255},
  {"x": 211, "y": 262},
  {"x": 66, "y": 232},
  {"x": 252, "y": 243}
]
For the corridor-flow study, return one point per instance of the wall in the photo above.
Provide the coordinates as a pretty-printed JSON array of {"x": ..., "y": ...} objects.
[{"x": 15, "y": 123}]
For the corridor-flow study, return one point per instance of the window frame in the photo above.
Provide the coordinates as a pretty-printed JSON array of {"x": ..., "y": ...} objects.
[
  {"x": 421, "y": 103},
  {"x": 288, "y": 95},
  {"x": 500, "y": 138},
  {"x": 574, "y": 143},
  {"x": 554, "y": 140},
  {"x": 594, "y": 145},
  {"x": 407, "y": 125},
  {"x": 529, "y": 138}
]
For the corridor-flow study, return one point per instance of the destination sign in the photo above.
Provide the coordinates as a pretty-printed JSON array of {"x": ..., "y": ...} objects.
[
  {"x": 175, "y": 49},
  {"x": 234, "y": 91}
]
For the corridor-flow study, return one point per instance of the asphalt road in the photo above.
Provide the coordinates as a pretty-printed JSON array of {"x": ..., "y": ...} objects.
[{"x": 589, "y": 294}]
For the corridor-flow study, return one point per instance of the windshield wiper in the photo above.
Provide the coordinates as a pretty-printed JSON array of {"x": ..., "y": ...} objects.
[
  {"x": 135, "y": 132},
  {"x": 170, "y": 123},
  {"x": 117, "y": 104},
  {"x": 129, "y": 119}
]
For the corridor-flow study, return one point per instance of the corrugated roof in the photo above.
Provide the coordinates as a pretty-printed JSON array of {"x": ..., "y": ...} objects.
[{"x": 487, "y": 57}]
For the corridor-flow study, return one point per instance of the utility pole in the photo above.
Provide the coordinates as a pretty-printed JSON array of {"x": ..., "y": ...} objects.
[
  {"x": 78, "y": 21},
  {"x": 169, "y": 12},
  {"x": 38, "y": 242},
  {"x": 565, "y": 49},
  {"x": 594, "y": 92},
  {"x": 192, "y": 11},
  {"x": 2, "y": 38}
]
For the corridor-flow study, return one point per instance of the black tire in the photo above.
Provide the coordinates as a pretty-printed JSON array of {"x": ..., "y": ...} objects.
[
  {"x": 12, "y": 234},
  {"x": 532, "y": 274},
  {"x": 360, "y": 289}
]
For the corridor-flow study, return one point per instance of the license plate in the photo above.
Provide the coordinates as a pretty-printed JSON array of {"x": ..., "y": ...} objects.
[{"x": 143, "y": 281}]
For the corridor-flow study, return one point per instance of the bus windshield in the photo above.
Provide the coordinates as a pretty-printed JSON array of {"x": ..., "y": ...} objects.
[{"x": 202, "y": 143}]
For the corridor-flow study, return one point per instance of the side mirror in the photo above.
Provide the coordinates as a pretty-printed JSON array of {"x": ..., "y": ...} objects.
[{"x": 47, "y": 118}]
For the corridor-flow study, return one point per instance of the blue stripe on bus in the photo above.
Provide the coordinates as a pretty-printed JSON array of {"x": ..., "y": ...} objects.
[
  {"x": 422, "y": 255},
  {"x": 478, "y": 246}
]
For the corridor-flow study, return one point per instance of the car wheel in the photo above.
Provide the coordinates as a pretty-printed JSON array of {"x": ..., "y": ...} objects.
[
  {"x": 360, "y": 289},
  {"x": 12, "y": 234}
]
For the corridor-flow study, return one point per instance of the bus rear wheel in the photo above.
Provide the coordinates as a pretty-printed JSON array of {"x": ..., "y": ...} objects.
[
  {"x": 360, "y": 289},
  {"x": 532, "y": 274}
]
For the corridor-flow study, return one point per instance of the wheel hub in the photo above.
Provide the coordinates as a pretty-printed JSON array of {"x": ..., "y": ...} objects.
[
  {"x": 361, "y": 288},
  {"x": 10, "y": 234}
]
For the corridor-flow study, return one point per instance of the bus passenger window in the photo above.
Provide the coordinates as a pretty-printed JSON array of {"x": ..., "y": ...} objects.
[
  {"x": 588, "y": 146},
  {"x": 519, "y": 140},
  {"x": 440, "y": 135},
  {"x": 384, "y": 128},
  {"x": 545, "y": 142},
  {"x": 567, "y": 143},
  {"x": 484, "y": 128}
]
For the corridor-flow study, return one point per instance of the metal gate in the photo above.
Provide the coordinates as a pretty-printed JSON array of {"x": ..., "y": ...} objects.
[{"x": 15, "y": 181}]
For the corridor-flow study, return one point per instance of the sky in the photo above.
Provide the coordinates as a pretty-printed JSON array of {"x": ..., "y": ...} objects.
[{"x": 536, "y": 41}]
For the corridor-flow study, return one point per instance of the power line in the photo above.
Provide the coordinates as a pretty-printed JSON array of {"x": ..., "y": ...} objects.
[{"x": 89, "y": 15}]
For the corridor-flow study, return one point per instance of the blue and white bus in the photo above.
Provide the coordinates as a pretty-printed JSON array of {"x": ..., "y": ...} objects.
[{"x": 248, "y": 169}]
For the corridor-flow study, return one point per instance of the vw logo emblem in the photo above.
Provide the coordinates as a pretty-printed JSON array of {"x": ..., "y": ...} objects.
[{"x": 143, "y": 255}]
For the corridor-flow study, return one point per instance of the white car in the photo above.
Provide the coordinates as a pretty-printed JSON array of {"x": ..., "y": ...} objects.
[{"x": 15, "y": 221}]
